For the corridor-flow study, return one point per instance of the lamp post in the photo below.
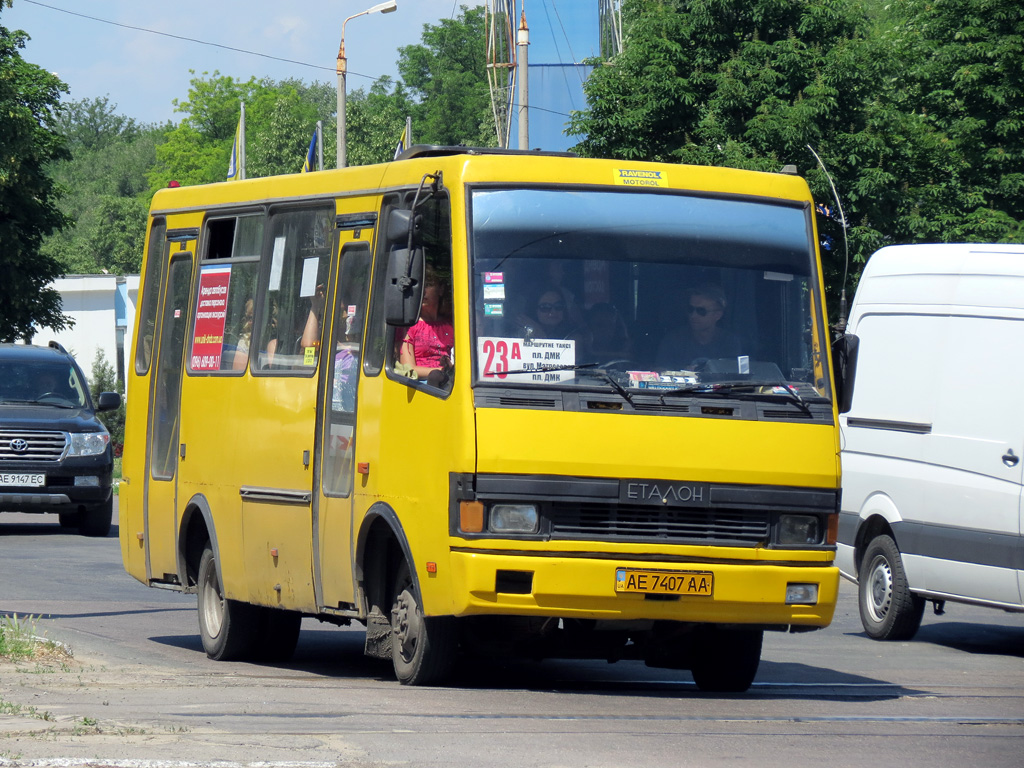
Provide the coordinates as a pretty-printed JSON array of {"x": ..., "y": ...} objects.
[{"x": 386, "y": 7}]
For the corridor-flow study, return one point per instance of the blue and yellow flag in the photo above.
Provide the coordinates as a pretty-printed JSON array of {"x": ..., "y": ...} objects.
[
  {"x": 403, "y": 142},
  {"x": 309, "y": 164},
  {"x": 236, "y": 165}
]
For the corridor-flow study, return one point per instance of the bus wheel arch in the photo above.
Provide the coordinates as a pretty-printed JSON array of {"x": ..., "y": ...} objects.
[
  {"x": 195, "y": 530},
  {"x": 422, "y": 649}
]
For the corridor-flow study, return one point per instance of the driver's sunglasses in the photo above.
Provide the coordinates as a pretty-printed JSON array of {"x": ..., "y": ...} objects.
[
  {"x": 545, "y": 307},
  {"x": 702, "y": 311}
]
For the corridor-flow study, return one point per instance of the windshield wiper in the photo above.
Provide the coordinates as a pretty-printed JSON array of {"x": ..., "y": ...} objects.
[
  {"x": 591, "y": 368},
  {"x": 746, "y": 390}
]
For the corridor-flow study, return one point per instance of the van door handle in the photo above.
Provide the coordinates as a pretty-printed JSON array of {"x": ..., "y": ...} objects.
[{"x": 1010, "y": 459}]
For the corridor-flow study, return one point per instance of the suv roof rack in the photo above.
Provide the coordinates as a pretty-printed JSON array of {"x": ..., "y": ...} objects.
[
  {"x": 57, "y": 345},
  {"x": 439, "y": 150}
]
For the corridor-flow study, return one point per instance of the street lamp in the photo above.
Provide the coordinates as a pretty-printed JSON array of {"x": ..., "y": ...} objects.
[{"x": 387, "y": 7}]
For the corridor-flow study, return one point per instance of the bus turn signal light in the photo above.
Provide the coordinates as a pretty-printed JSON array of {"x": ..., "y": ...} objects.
[{"x": 471, "y": 516}]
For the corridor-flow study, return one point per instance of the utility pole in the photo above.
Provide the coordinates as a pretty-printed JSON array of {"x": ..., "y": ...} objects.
[{"x": 522, "y": 41}]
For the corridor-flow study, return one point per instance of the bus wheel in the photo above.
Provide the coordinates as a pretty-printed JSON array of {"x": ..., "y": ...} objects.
[
  {"x": 277, "y": 634},
  {"x": 888, "y": 609},
  {"x": 726, "y": 660},
  {"x": 227, "y": 627},
  {"x": 423, "y": 649}
]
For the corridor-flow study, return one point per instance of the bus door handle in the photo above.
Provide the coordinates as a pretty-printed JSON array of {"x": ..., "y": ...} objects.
[{"x": 181, "y": 451}]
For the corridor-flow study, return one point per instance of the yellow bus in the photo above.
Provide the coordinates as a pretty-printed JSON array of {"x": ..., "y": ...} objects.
[{"x": 488, "y": 402}]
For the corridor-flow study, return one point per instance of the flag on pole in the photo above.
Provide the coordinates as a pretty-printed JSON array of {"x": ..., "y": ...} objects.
[
  {"x": 236, "y": 165},
  {"x": 406, "y": 138},
  {"x": 309, "y": 164}
]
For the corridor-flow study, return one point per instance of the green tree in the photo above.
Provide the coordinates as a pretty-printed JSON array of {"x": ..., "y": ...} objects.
[
  {"x": 29, "y": 142},
  {"x": 375, "y": 120},
  {"x": 446, "y": 77},
  {"x": 106, "y": 192}
]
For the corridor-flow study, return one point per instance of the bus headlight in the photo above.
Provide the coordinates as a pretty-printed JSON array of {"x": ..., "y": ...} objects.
[
  {"x": 513, "y": 518},
  {"x": 796, "y": 530},
  {"x": 88, "y": 443}
]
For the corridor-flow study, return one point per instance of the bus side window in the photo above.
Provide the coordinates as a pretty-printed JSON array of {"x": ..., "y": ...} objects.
[
  {"x": 425, "y": 351},
  {"x": 300, "y": 246},
  {"x": 156, "y": 254}
]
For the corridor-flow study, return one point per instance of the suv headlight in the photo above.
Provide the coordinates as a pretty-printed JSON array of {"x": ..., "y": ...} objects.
[{"x": 88, "y": 443}]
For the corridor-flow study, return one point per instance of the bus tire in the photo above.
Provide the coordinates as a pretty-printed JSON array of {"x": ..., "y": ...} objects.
[
  {"x": 888, "y": 609},
  {"x": 227, "y": 627},
  {"x": 423, "y": 649},
  {"x": 277, "y": 635},
  {"x": 726, "y": 660},
  {"x": 96, "y": 521}
]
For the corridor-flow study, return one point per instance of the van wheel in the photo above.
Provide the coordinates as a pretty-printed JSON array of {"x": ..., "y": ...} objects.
[
  {"x": 888, "y": 609},
  {"x": 95, "y": 521},
  {"x": 423, "y": 649},
  {"x": 227, "y": 627},
  {"x": 725, "y": 660}
]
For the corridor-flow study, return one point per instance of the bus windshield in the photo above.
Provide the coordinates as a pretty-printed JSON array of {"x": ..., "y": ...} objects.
[{"x": 641, "y": 290}]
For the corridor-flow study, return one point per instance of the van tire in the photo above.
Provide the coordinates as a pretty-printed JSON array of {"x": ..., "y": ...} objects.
[
  {"x": 725, "y": 659},
  {"x": 227, "y": 627},
  {"x": 423, "y": 649},
  {"x": 888, "y": 609}
]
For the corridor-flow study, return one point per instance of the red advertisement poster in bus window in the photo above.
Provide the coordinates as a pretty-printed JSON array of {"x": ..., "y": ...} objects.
[{"x": 211, "y": 313}]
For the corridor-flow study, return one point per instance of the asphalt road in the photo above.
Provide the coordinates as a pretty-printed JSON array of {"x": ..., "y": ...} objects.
[{"x": 140, "y": 692}]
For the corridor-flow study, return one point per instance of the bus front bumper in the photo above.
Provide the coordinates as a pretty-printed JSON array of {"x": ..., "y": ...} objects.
[{"x": 581, "y": 587}]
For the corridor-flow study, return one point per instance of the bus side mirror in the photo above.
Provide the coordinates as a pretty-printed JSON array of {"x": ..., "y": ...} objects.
[
  {"x": 403, "y": 291},
  {"x": 401, "y": 224},
  {"x": 844, "y": 369}
]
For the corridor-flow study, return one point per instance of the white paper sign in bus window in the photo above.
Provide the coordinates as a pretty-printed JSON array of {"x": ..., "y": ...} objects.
[{"x": 534, "y": 361}]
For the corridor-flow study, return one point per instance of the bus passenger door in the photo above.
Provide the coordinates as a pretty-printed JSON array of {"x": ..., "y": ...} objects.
[
  {"x": 341, "y": 361},
  {"x": 162, "y": 451}
]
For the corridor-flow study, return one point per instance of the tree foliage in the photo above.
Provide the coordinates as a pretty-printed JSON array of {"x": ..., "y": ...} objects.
[
  {"x": 106, "y": 194},
  {"x": 29, "y": 142},
  {"x": 446, "y": 76},
  {"x": 917, "y": 108}
]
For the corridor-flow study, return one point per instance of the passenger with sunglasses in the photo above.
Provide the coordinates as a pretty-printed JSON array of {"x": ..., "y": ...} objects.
[
  {"x": 702, "y": 338},
  {"x": 550, "y": 316}
]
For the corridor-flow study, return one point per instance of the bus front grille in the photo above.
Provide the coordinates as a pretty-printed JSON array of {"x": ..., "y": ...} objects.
[{"x": 620, "y": 522}]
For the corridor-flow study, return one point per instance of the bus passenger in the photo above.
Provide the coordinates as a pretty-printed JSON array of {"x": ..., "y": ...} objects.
[
  {"x": 427, "y": 345},
  {"x": 703, "y": 338},
  {"x": 549, "y": 317}
]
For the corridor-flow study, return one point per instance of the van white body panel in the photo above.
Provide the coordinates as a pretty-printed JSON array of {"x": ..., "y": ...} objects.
[{"x": 934, "y": 442}]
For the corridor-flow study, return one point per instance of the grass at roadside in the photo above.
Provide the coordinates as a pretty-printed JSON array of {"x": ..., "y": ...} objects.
[
  {"x": 20, "y": 641},
  {"x": 116, "y": 476}
]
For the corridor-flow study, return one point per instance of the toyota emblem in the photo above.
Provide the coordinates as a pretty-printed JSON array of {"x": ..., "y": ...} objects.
[{"x": 19, "y": 445}]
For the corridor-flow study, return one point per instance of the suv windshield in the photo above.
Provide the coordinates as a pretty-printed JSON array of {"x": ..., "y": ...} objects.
[
  {"x": 645, "y": 291},
  {"x": 41, "y": 383}
]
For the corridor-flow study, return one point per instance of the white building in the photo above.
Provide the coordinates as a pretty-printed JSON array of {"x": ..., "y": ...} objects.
[{"x": 103, "y": 310}]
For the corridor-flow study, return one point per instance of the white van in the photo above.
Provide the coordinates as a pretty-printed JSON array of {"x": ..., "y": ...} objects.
[{"x": 932, "y": 445}]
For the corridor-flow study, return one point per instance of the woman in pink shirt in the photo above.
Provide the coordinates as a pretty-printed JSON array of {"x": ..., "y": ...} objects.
[{"x": 427, "y": 346}]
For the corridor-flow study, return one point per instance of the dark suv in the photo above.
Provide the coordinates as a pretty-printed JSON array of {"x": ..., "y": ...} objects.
[{"x": 55, "y": 455}]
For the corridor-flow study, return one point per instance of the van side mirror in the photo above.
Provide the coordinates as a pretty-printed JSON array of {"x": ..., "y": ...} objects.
[
  {"x": 403, "y": 291},
  {"x": 108, "y": 401},
  {"x": 844, "y": 369}
]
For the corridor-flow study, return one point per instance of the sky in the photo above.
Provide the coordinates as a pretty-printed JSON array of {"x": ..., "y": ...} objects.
[{"x": 143, "y": 73}]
